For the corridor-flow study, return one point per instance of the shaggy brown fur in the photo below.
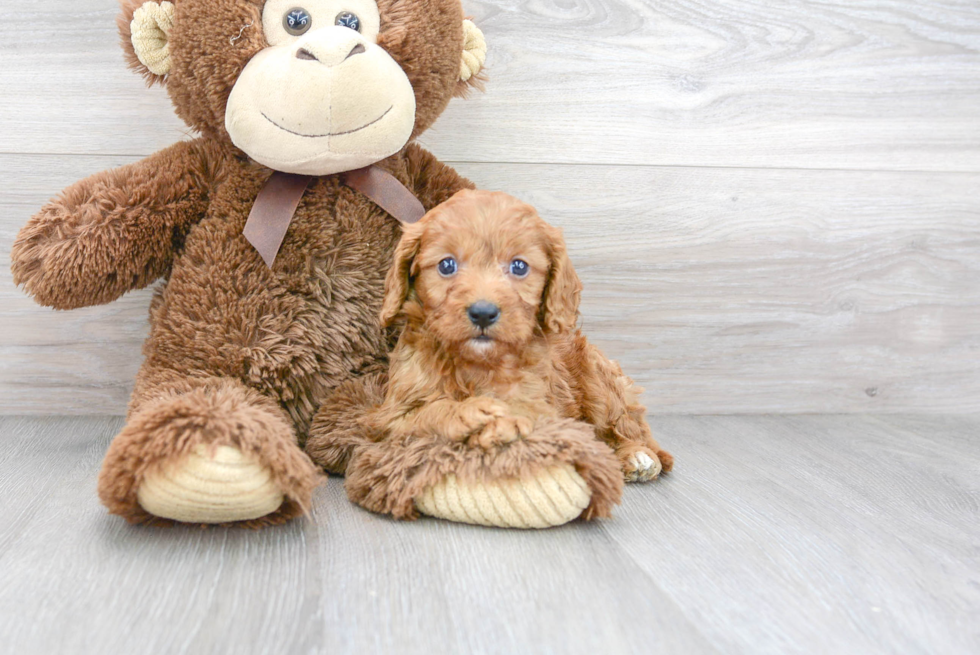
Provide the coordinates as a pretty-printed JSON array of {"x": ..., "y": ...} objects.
[
  {"x": 386, "y": 477},
  {"x": 483, "y": 402},
  {"x": 337, "y": 428},
  {"x": 238, "y": 353}
]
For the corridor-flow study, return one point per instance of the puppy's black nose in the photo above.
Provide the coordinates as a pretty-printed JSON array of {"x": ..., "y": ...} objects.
[{"x": 483, "y": 314}]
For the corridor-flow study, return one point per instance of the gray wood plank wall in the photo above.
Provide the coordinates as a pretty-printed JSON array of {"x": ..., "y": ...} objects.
[{"x": 774, "y": 206}]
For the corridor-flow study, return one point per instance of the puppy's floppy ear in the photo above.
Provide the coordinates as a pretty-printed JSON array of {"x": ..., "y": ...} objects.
[
  {"x": 398, "y": 283},
  {"x": 560, "y": 300}
]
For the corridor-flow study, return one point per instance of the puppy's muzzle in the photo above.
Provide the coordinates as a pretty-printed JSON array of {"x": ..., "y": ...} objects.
[{"x": 483, "y": 314}]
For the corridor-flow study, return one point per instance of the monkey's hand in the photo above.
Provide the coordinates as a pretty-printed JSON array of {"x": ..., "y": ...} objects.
[{"x": 114, "y": 231}]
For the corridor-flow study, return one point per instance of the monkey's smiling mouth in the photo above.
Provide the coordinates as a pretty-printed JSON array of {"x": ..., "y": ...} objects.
[{"x": 320, "y": 136}]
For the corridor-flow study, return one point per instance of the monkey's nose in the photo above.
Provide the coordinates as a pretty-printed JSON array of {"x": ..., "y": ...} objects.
[
  {"x": 309, "y": 55},
  {"x": 483, "y": 314}
]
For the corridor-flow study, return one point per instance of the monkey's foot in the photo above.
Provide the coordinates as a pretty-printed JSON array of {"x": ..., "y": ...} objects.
[
  {"x": 220, "y": 453},
  {"x": 558, "y": 473},
  {"x": 222, "y": 486}
]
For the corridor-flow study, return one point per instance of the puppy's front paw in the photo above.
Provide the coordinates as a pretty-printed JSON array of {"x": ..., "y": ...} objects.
[
  {"x": 641, "y": 464},
  {"x": 474, "y": 414},
  {"x": 502, "y": 430}
]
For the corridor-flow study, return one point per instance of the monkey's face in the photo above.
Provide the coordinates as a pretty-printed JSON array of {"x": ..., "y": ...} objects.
[
  {"x": 306, "y": 86},
  {"x": 323, "y": 97}
]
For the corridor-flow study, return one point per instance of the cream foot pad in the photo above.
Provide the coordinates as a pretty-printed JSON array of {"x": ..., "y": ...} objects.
[
  {"x": 556, "y": 495},
  {"x": 201, "y": 488}
]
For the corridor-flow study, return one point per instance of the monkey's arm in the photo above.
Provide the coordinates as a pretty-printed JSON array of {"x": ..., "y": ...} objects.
[
  {"x": 433, "y": 181},
  {"x": 116, "y": 230}
]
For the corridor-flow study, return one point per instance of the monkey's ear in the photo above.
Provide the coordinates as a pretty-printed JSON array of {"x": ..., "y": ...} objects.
[
  {"x": 145, "y": 29},
  {"x": 398, "y": 283},
  {"x": 474, "y": 56}
]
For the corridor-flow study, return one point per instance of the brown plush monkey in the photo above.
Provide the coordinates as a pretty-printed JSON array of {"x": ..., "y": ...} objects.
[{"x": 241, "y": 354}]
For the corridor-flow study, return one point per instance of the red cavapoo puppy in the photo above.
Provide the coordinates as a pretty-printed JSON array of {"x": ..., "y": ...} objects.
[{"x": 489, "y": 301}]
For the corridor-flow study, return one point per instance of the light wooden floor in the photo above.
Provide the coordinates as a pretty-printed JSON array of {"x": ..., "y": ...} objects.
[{"x": 815, "y": 534}]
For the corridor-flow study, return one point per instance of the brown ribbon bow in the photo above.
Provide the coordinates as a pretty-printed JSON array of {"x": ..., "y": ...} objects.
[{"x": 277, "y": 201}]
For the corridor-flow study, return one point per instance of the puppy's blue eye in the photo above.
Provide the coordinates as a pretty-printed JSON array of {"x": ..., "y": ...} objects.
[
  {"x": 519, "y": 268},
  {"x": 447, "y": 267},
  {"x": 347, "y": 19}
]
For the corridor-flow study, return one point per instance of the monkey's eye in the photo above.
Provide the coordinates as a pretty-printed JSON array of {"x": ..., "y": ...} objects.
[
  {"x": 519, "y": 268},
  {"x": 347, "y": 19},
  {"x": 297, "y": 21},
  {"x": 447, "y": 267}
]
